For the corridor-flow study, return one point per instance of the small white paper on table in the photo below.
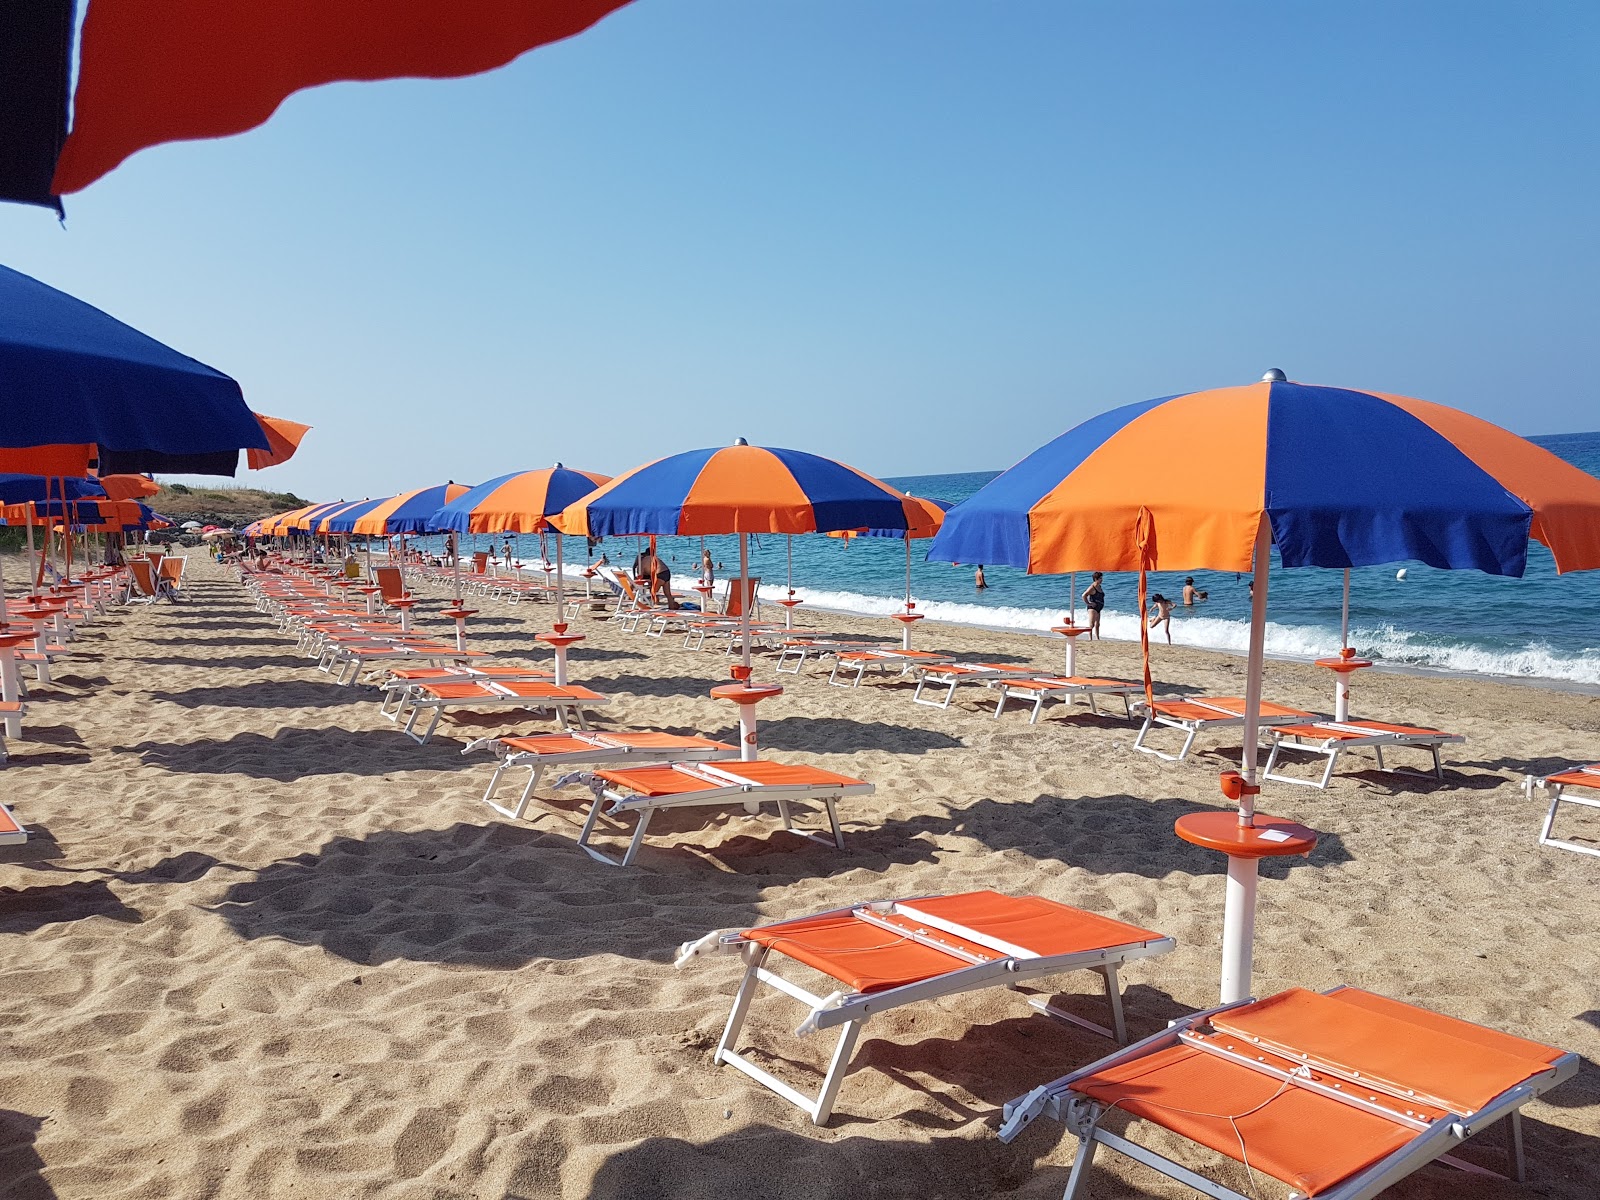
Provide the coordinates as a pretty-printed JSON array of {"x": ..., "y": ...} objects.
[{"x": 1274, "y": 835}]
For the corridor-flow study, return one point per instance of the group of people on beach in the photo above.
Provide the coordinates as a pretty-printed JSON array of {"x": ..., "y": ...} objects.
[{"x": 1094, "y": 599}]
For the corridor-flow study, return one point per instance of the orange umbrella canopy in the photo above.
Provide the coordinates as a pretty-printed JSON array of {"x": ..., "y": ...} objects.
[
  {"x": 522, "y": 502},
  {"x": 927, "y": 516},
  {"x": 129, "y": 487},
  {"x": 58, "y": 461},
  {"x": 409, "y": 512},
  {"x": 284, "y": 437}
]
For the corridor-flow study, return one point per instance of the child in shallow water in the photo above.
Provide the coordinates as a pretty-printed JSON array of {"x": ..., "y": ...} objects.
[{"x": 1161, "y": 610}]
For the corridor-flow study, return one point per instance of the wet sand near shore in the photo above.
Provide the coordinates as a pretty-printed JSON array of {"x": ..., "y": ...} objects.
[{"x": 263, "y": 945}]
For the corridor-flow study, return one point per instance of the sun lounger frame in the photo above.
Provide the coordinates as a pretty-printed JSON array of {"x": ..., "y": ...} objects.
[
  {"x": 1082, "y": 1114},
  {"x": 1331, "y": 747},
  {"x": 1067, "y": 690},
  {"x": 568, "y": 710},
  {"x": 849, "y": 1011},
  {"x": 603, "y": 751},
  {"x": 1192, "y": 727},
  {"x": 936, "y": 675},
  {"x": 611, "y": 802},
  {"x": 882, "y": 659},
  {"x": 1556, "y": 788}
]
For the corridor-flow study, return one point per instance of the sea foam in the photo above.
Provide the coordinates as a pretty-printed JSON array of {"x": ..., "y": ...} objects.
[{"x": 1384, "y": 643}]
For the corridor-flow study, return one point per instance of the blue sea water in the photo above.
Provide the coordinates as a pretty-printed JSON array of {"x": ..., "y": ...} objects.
[{"x": 1539, "y": 627}]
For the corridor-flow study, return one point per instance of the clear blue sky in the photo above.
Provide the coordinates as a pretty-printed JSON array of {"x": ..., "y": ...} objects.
[{"x": 917, "y": 235}]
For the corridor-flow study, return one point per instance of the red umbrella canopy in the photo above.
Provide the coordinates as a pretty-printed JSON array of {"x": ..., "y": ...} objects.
[{"x": 182, "y": 69}]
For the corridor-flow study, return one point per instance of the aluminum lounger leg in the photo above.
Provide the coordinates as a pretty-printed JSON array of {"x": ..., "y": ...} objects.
[
  {"x": 1378, "y": 751},
  {"x": 754, "y": 957},
  {"x": 1167, "y": 1167},
  {"x": 1149, "y": 724},
  {"x": 1119, "y": 1025},
  {"x": 1519, "y": 1163},
  {"x": 638, "y": 836},
  {"x": 1000, "y": 704},
  {"x": 1038, "y": 707},
  {"x": 1081, "y": 1162},
  {"x": 1438, "y": 770}
]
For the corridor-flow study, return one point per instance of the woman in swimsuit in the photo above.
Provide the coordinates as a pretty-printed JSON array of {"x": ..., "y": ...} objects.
[{"x": 1094, "y": 598}]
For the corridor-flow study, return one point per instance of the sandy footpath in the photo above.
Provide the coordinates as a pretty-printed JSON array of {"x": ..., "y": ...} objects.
[{"x": 263, "y": 946}]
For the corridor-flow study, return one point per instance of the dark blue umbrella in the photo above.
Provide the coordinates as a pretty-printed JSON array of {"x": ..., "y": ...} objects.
[
  {"x": 72, "y": 375},
  {"x": 19, "y": 489}
]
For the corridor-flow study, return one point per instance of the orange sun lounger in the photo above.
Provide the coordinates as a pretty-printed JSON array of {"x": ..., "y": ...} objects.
[
  {"x": 543, "y": 750},
  {"x": 568, "y": 702},
  {"x": 399, "y": 682},
  {"x": 643, "y": 791},
  {"x": 1338, "y": 1094},
  {"x": 1043, "y": 688},
  {"x": 1332, "y": 738},
  {"x": 11, "y": 832},
  {"x": 950, "y": 676},
  {"x": 1196, "y": 715},
  {"x": 861, "y": 661},
  {"x": 891, "y": 953},
  {"x": 1555, "y": 786}
]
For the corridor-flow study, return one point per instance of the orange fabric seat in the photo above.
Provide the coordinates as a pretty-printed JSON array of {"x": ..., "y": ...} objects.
[
  {"x": 1065, "y": 681},
  {"x": 1459, "y": 1065},
  {"x": 1581, "y": 777},
  {"x": 1307, "y": 1141},
  {"x": 655, "y": 781},
  {"x": 777, "y": 774},
  {"x": 868, "y": 958},
  {"x": 1345, "y": 731},
  {"x": 10, "y": 830}
]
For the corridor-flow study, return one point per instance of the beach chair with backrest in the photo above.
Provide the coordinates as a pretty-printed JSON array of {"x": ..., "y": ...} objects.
[
  {"x": 890, "y": 953},
  {"x": 739, "y": 594},
  {"x": 641, "y": 792},
  {"x": 171, "y": 575},
  {"x": 1338, "y": 1095},
  {"x": 1041, "y": 689},
  {"x": 391, "y": 585},
  {"x": 1201, "y": 715},
  {"x": 1555, "y": 786},
  {"x": 146, "y": 587},
  {"x": 577, "y": 748},
  {"x": 1330, "y": 739}
]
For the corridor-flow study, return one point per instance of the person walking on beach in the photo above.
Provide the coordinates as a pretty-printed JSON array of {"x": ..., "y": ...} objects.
[
  {"x": 1094, "y": 599},
  {"x": 979, "y": 580},
  {"x": 1161, "y": 610}
]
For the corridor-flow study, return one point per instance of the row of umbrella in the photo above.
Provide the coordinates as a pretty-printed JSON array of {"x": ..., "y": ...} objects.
[{"x": 1330, "y": 477}]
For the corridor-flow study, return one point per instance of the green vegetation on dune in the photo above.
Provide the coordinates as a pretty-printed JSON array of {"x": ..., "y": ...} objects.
[{"x": 221, "y": 505}]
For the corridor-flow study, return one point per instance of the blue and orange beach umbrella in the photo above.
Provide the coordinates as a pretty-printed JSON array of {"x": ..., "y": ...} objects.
[
  {"x": 1333, "y": 477},
  {"x": 740, "y": 489},
  {"x": 409, "y": 512},
  {"x": 929, "y": 522},
  {"x": 521, "y": 502}
]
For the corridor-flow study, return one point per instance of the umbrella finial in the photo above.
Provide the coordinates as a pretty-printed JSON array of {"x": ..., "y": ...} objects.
[
  {"x": 1274, "y": 376},
  {"x": 559, "y": 467},
  {"x": 740, "y": 442}
]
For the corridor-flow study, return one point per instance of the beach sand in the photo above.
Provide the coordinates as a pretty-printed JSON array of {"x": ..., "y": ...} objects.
[{"x": 262, "y": 945}]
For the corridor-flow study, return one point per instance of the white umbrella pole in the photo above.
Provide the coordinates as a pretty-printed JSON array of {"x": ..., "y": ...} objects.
[
  {"x": 1344, "y": 614},
  {"x": 788, "y": 582},
  {"x": 744, "y": 609},
  {"x": 908, "y": 572},
  {"x": 561, "y": 591},
  {"x": 1239, "y": 911},
  {"x": 33, "y": 569},
  {"x": 455, "y": 557},
  {"x": 1072, "y": 610}
]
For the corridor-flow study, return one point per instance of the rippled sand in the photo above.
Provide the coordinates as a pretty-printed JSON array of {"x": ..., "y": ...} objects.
[{"x": 262, "y": 945}]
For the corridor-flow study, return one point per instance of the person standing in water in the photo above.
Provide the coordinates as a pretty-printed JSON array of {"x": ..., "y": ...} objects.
[
  {"x": 979, "y": 580},
  {"x": 1094, "y": 599},
  {"x": 1190, "y": 596}
]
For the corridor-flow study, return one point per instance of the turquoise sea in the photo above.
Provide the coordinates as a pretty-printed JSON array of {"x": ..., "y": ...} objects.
[{"x": 1539, "y": 627}]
